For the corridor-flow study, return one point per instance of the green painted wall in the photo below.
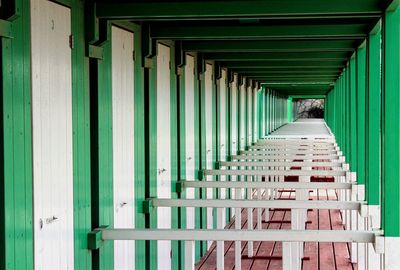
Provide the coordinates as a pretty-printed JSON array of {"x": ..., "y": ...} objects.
[{"x": 16, "y": 244}]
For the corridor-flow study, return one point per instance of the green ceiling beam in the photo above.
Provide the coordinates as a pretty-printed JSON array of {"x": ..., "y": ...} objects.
[
  {"x": 286, "y": 64},
  {"x": 290, "y": 72},
  {"x": 303, "y": 70},
  {"x": 278, "y": 56},
  {"x": 294, "y": 80},
  {"x": 301, "y": 89},
  {"x": 307, "y": 96},
  {"x": 264, "y": 32},
  {"x": 252, "y": 9},
  {"x": 270, "y": 46}
]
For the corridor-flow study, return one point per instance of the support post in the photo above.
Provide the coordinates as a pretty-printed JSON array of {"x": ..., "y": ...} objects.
[{"x": 391, "y": 134}]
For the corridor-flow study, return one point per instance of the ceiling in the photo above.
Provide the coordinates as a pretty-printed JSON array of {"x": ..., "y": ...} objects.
[{"x": 298, "y": 47}]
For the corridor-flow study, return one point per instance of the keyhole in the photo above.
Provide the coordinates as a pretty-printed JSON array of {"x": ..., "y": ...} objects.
[{"x": 52, "y": 24}]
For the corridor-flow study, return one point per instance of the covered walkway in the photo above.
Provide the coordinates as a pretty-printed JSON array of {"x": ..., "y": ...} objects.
[
  {"x": 268, "y": 255},
  {"x": 164, "y": 134}
]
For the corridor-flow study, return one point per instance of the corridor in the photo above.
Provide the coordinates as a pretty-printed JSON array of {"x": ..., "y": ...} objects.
[
  {"x": 268, "y": 255},
  {"x": 199, "y": 134}
]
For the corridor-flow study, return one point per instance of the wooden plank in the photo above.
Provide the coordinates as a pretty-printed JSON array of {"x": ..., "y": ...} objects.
[
  {"x": 311, "y": 248},
  {"x": 327, "y": 259},
  {"x": 277, "y": 264}
]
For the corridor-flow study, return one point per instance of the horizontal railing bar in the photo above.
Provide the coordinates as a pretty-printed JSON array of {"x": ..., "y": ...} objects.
[
  {"x": 295, "y": 142},
  {"x": 283, "y": 157},
  {"x": 335, "y": 236},
  {"x": 294, "y": 147},
  {"x": 282, "y": 185},
  {"x": 292, "y": 204},
  {"x": 298, "y": 155},
  {"x": 281, "y": 163},
  {"x": 276, "y": 172},
  {"x": 291, "y": 152},
  {"x": 302, "y": 137}
]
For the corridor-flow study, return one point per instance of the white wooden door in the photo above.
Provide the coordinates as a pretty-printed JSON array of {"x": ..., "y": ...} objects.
[
  {"x": 222, "y": 136},
  {"x": 123, "y": 143},
  {"x": 189, "y": 128},
  {"x": 222, "y": 113},
  {"x": 255, "y": 119},
  {"x": 242, "y": 116},
  {"x": 163, "y": 150},
  {"x": 209, "y": 136},
  {"x": 250, "y": 114},
  {"x": 52, "y": 136},
  {"x": 190, "y": 152},
  {"x": 234, "y": 129},
  {"x": 234, "y": 119}
]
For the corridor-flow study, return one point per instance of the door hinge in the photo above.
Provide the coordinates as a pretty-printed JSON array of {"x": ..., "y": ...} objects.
[
  {"x": 71, "y": 41},
  {"x": 169, "y": 63},
  {"x": 134, "y": 55}
]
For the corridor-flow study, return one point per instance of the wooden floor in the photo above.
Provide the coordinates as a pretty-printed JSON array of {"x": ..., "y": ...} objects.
[{"x": 322, "y": 256}]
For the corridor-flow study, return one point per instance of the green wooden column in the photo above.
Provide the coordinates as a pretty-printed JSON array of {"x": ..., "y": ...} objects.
[
  {"x": 352, "y": 110},
  {"x": 16, "y": 229},
  {"x": 360, "y": 123},
  {"x": 373, "y": 121},
  {"x": 391, "y": 124}
]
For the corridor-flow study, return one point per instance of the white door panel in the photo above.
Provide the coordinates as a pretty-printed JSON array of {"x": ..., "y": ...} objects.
[
  {"x": 234, "y": 128},
  {"x": 242, "y": 116},
  {"x": 123, "y": 143},
  {"x": 163, "y": 151},
  {"x": 255, "y": 108},
  {"x": 222, "y": 129},
  {"x": 250, "y": 115},
  {"x": 209, "y": 134},
  {"x": 52, "y": 136},
  {"x": 189, "y": 128}
]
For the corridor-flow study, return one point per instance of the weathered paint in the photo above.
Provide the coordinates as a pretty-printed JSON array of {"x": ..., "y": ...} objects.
[
  {"x": 52, "y": 136},
  {"x": 123, "y": 143}
]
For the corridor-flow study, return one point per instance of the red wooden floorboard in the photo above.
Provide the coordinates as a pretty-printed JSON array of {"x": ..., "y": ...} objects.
[
  {"x": 323, "y": 256},
  {"x": 326, "y": 254}
]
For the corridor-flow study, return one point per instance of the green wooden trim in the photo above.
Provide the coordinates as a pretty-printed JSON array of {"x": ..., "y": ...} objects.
[
  {"x": 197, "y": 141},
  {"x": 373, "y": 121},
  {"x": 102, "y": 149},
  {"x": 352, "y": 132},
  {"x": 391, "y": 126},
  {"x": 140, "y": 166},
  {"x": 5, "y": 29},
  {"x": 16, "y": 215},
  {"x": 290, "y": 109},
  {"x": 203, "y": 150},
  {"x": 361, "y": 110}
]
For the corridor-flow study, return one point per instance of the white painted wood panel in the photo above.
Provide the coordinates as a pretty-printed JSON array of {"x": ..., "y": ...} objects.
[
  {"x": 255, "y": 107},
  {"x": 234, "y": 119},
  {"x": 190, "y": 154},
  {"x": 222, "y": 136},
  {"x": 163, "y": 150},
  {"x": 209, "y": 135},
  {"x": 242, "y": 116},
  {"x": 250, "y": 115},
  {"x": 52, "y": 136},
  {"x": 234, "y": 128},
  {"x": 123, "y": 143},
  {"x": 222, "y": 114}
]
